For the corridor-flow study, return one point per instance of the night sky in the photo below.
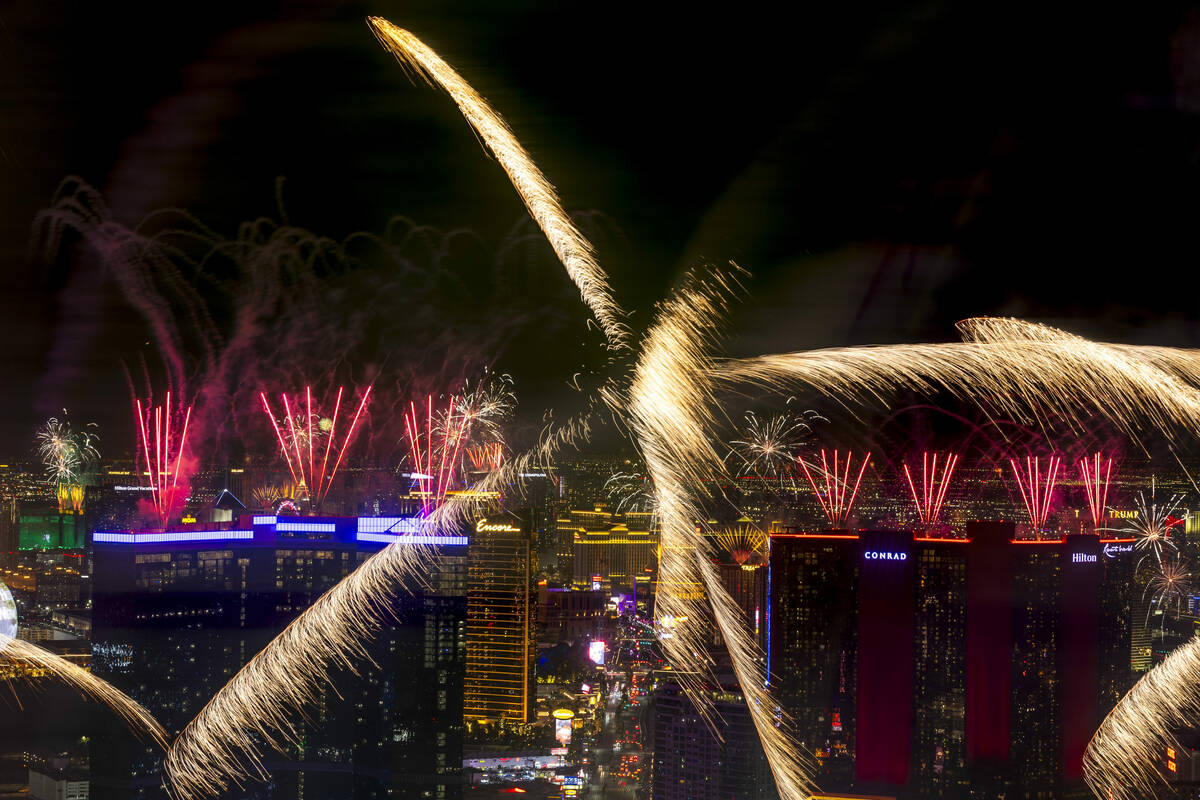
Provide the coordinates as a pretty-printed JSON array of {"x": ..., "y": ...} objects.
[{"x": 882, "y": 170}]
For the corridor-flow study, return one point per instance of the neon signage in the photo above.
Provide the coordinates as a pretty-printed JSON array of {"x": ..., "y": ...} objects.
[
  {"x": 1112, "y": 550},
  {"x": 884, "y": 555},
  {"x": 483, "y": 526},
  {"x": 1083, "y": 558}
]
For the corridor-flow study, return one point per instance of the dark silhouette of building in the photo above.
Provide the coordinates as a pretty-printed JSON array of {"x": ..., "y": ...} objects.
[
  {"x": 690, "y": 761},
  {"x": 926, "y": 667}
]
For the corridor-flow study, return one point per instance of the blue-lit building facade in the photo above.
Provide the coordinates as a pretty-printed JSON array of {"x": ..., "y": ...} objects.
[{"x": 177, "y": 613}]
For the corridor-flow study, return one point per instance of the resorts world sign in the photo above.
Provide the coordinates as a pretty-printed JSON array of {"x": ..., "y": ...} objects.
[{"x": 1113, "y": 550}]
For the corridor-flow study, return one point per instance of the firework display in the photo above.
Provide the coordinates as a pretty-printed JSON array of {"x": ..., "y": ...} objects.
[
  {"x": 835, "y": 493},
  {"x": 300, "y": 436},
  {"x": 164, "y": 455},
  {"x": 1097, "y": 476},
  {"x": 767, "y": 446},
  {"x": 485, "y": 407},
  {"x": 1170, "y": 584},
  {"x": 271, "y": 495},
  {"x": 670, "y": 408},
  {"x": 745, "y": 544},
  {"x": 1122, "y": 760},
  {"x": 434, "y": 445},
  {"x": 931, "y": 495},
  {"x": 1036, "y": 486},
  {"x": 1152, "y": 525},
  {"x": 68, "y": 456},
  {"x": 573, "y": 250},
  {"x": 486, "y": 457},
  {"x": 629, "y": 491}
]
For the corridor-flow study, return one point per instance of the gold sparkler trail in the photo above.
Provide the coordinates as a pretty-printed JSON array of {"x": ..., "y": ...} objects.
[
  {"x": 1123, "y": 759},
  {"x": 1029, "y": 372},
  {"x": 670, "y": 414},
  {"x": 23, "y": 655},
  {"x": 261, "y": 704},
  {"x": 573, "y": 250}
]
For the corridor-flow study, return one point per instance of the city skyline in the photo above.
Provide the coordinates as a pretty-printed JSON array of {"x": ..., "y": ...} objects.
[{"x": 559, "y": 619}]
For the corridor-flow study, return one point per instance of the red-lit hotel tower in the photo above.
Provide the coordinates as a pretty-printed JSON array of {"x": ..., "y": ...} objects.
[{"x": 922, "y": 667}]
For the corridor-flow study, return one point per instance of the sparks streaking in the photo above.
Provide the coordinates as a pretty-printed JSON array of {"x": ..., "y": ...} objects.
[
  {"x": 573, "y": 250},
  {"x": 164, "y": 455},
  {"x": 630, "y": 491},
  {"x": 23, "y": 656},
  {"x": 486, "y": 457},
  {"x": 834, "y": 492},
  {"x": 932, "y": 493},
  {"x": 1151, "y": 527},
  {"x": 767, "y": 446},
  {"x": 1097, "y": 476},
  {"x": 744, "y": 543},
  {"x": 67, "y": 456},
  {"x": 1170, "y": 584},
  {"x": 299, "y": 441},
  {"x": 1036, "y": 487},
  {"x": 434, "y": 445}
]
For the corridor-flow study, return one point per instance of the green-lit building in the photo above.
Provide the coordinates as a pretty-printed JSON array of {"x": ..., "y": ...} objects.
[{"x": 49, "y": 529}]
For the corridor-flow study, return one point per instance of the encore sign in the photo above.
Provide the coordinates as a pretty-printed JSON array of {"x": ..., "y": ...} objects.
[
  {"x": 483, "y": 526},
  {"x": 884, "y": 555}
]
